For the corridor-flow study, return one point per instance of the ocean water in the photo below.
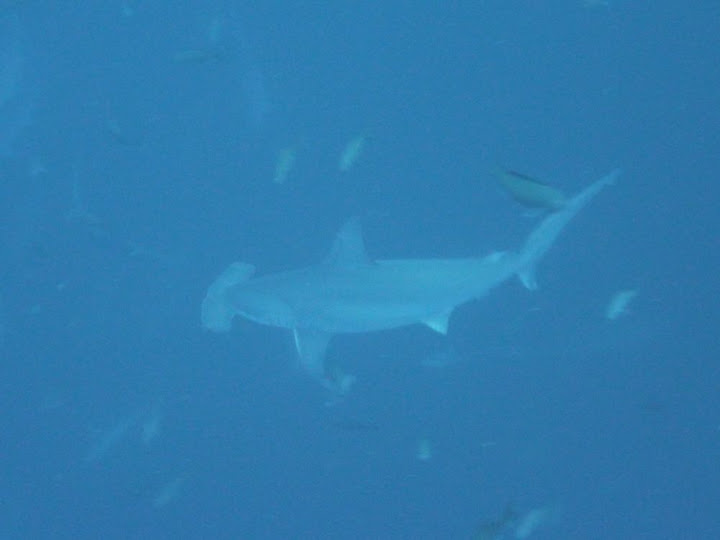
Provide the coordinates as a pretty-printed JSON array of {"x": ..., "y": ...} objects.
[{"x": 145, "y": 146}]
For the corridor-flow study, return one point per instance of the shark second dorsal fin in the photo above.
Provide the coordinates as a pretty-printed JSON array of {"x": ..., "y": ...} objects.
[{"x": 348, "y": 248}]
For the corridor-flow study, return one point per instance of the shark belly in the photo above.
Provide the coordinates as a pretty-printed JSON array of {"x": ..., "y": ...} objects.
[
  {"x": 353, "y": 317},
  {"x": 394, "y": 293}
]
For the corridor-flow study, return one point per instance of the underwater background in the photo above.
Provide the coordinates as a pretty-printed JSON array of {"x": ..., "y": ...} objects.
[{"x": 145, "y": 145}]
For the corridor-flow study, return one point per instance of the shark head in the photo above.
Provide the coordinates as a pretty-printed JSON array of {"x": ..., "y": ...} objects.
[
  {"x": 261, "y": 306},
  {"x": 234, "y": 293},
  {"x": 216, "y": 314}
]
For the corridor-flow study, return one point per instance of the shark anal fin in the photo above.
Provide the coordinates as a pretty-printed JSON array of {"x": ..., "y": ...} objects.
[
  {"x": 527, "y": 278},
  {"x": 439, "y": 323}
]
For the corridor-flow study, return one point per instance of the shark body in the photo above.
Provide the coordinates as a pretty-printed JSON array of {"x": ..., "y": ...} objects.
[{"x": 348, "y": 292}]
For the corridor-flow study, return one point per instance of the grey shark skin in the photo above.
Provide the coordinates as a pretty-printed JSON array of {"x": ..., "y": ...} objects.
[{"x": 348, "y": 292}]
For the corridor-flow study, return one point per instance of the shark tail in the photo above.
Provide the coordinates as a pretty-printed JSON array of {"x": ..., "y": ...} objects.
[
  {"x": 542, "y": 238},
  {"x": 217, "y": 313}
]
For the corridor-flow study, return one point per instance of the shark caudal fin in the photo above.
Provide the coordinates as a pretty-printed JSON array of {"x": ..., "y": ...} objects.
[
  {"x": 216, "y": 313},
  {"x": 544, "y": 235}
]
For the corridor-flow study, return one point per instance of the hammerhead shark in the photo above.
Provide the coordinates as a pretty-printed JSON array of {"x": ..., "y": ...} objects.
[{"x": 349, "y": 292}]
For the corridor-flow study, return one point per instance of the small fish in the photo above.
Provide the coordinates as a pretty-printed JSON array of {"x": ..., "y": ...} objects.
[
  {"x": 424, "y": 450},
  {"x": 199, "y": 56},
  {"x": 527, "y": 523},
  {"x": 618, "y": 304},
  {"x": 119, "y": 134},
  {"x": 355, "y": 425},
  {"x": 498, "y": 528},
  {"x": 531, "y": 192},
  {"x": 151, "y": 424},
  {"x": 512, "y": 524},
  {"x": 126, "y": 9},
  {"x": 284, "y": 164},
  {"x": 108, "y": 440},
  {"x": 351, "y": 153},
  {"x": 595, "y": 3},
  {"x": 441, "y": 359},
  {"x": 168, "y": 492}
]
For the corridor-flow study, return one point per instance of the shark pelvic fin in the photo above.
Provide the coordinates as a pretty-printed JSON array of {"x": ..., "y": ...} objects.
[{"x": 311, "y": 346}]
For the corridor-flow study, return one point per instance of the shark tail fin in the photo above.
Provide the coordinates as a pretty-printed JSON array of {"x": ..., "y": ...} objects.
[
  {"x": 542, "y": 238},
  {"x": 216, "y": 313}
]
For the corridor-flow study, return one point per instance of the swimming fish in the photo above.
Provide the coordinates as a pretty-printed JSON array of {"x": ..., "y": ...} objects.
[
  {"x": 284, "y": 164},
  {"x": 349, "y": 292},
  {"x": 619, "y": 304},
  {"x": 351, "y": 153},
  {"x": 531, "y": 192}
]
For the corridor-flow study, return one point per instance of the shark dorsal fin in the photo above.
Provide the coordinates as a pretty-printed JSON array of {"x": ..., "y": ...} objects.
[{"x": 348, "y": 249}]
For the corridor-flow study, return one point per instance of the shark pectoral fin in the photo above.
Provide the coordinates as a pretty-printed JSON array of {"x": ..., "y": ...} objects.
[
  {"x": 527, "y": 277},
  {"x": 439, "y": 323},
  {"x": 216, "y": 314},
  {"x": 311, "y": 346}
]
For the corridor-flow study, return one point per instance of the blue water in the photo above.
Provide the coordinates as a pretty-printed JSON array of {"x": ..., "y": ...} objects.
[{"x": 138, "y": 142}]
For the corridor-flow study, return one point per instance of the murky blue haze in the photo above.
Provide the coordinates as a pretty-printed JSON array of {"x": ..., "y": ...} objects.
[{"x": 138, "y": 145}]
